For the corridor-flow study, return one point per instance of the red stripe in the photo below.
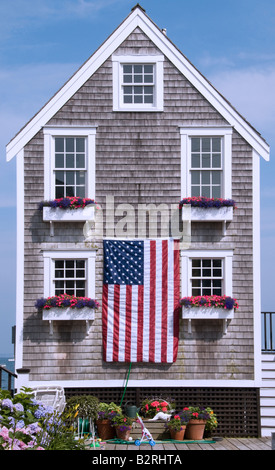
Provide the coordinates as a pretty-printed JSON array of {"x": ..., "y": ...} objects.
[
  {"x": 164, "y": 300},
  {"x": 140, "y": 324},
  {"x": 116, "y": 322},
  {"x": 152, "y": 300},
  {"x": 176, "y": 297},
  {"x": 104, "y": 319},
  {"x": 128, "y": 315}
]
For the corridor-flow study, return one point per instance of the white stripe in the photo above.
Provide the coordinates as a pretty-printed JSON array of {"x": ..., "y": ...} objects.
[
  {"x": 170, "y": 302},
  {"x": 158, "y": 301},
  {"x": 122, "y": 323},
  {"x": 110, "y": 324},
  {"x": 146, "y": 306},
  {"x": 134, "y": 323}
]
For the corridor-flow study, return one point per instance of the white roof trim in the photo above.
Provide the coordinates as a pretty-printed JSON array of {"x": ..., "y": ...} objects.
[{"x": 137, "y": 18}]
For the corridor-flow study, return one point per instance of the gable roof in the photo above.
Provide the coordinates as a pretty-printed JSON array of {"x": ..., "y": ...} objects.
[{"x": 138, "y": 18}]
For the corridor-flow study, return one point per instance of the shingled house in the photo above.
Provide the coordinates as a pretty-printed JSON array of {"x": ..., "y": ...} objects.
[{"x": 138, "y": 187}]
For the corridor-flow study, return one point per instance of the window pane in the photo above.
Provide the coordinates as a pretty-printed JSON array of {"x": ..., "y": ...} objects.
[
  {"x": 216, "y": 144},
  {"x": 137, "y": 68},
  {"x": 59, "y": 160},
  {"x": 138, "y": 99},
  {"x": 205, "y": 192},
  {"x": 80, "y": 177},
  {"x": 70, "y": 191},
  {"x": 80, "y": 191},
  {"x": 205, "y": 144},
  {"x": 206, "y": 161},
  {"x": 195, "y": 161},
  {"x": 80, "y": 161},
  {"x": 127, "y": 79},
  {"x": 59, "y": 192},
  {"x": 69, "y": 161},
  {"x": 70, "y": 177},
  {"x": 195, "y": 144},
  {"x": 138, "y": 79},
  {"x": 128, "y": 99},
  {"x": 127, "y": 68},
  {"x": 148, "y": 78},
  {"x": 59, "y": 178},
  {"x": 195, "y": 177},
  {"x": 59, "y": 144},
  {"x": 216, "y": 192},
  {"x": 216, "y": 177},
  {"x": 69, "y": 144},
  {"x": 80, "y": 144},
  {"x": 195, "y": 191},
  {"x": 205, "y": 177},
  {"x": 216, "y": 161},
  {"x": 148, "y": 99},
  {"x": 148, "y": 69}
]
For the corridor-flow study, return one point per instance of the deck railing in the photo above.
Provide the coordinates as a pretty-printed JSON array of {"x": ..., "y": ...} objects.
[
  {"x": 268, "y": 332},
  {"x": 10, "y": 375}
]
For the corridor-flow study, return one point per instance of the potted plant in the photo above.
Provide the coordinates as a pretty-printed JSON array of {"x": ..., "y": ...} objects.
[
  {"x": 211, "y": 423},
  {"x": 177, "y": 425},
  {"x": 105, "y": 414},
  {"x": 85, "y": 409},
  {"x": 196, "y": 424},
  {"x": 122, "y": 425},
  {"x": 151, "y": 406}
]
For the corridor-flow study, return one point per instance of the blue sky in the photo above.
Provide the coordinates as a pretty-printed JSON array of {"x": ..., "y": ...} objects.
[{"x": 43, "y": 42}]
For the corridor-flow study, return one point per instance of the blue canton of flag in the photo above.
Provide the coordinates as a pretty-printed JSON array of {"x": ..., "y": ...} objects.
[{"x": 123, "y": 262}]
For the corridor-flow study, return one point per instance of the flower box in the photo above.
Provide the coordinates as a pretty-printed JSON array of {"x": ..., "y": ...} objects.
[
  {"x": 57, "y": 214},
  {"x": 57, "y": 313},
  {"x": 207, "y": 313},
  {"x": 207, "y": 214}
]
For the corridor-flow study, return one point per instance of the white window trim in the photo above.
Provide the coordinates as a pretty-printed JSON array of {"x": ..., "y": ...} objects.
[
  {"x": 157, "y": 61},
  {"x": 186, "y": 265},
  {"x": 51, "y": 256},
  {"x": 49, "y": 156},
  {"x": 226, "y": 134}
]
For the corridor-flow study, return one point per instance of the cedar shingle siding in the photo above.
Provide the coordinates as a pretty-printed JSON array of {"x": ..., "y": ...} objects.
[{"x": 138, "y": 161}]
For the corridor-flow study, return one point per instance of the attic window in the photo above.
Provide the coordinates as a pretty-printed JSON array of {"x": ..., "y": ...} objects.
[{"x": 138, "y": 83}]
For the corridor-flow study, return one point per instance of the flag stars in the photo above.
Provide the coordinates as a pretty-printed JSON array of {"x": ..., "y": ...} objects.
[{"x": 123, "y": 262}]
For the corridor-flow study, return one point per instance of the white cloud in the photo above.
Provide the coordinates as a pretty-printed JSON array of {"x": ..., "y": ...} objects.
[{"x": 251, "y": 91}]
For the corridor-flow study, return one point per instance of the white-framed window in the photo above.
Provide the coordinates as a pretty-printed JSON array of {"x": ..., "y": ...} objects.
[
  {"x": 138, "y": 83},
  {"x": 70, "y": 277},
  {"x": 207, "y": 276},
  {"x": 69, "y": 162},
  {"x": 206, "y": 162},
  {"x": 70, "y": 166},
  {"x": 69, "y": 272},
  {"x": 206, "y": 272}
]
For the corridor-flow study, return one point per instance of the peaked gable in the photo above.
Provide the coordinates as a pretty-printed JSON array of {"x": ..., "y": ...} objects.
[{"x": 138, "y": 18}]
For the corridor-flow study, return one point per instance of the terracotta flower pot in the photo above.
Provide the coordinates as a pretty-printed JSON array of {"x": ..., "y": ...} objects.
[
  {"x": 178, "y": 435},
  {"x": 104, "y": 429},
  {"x": 123, "y": 434},
  {"x": 195, "y": 429}
]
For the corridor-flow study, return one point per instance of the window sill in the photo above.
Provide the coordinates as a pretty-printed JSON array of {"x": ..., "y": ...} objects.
[
  {"x": 207, "y": 214},
  {"x": 68, "y": 215}
]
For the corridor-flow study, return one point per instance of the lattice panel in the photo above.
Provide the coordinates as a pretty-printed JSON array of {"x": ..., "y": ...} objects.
[{"x": 237, "y": 409}]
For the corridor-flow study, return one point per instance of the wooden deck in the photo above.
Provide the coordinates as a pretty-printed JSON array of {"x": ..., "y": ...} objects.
[{"x": 255, "y": 444}]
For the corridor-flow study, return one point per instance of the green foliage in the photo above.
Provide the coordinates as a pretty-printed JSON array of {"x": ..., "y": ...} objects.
[{"x": 85, "y": 406}]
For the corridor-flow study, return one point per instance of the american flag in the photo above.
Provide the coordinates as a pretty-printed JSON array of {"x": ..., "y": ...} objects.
[{"x": 141, "y": 291}]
